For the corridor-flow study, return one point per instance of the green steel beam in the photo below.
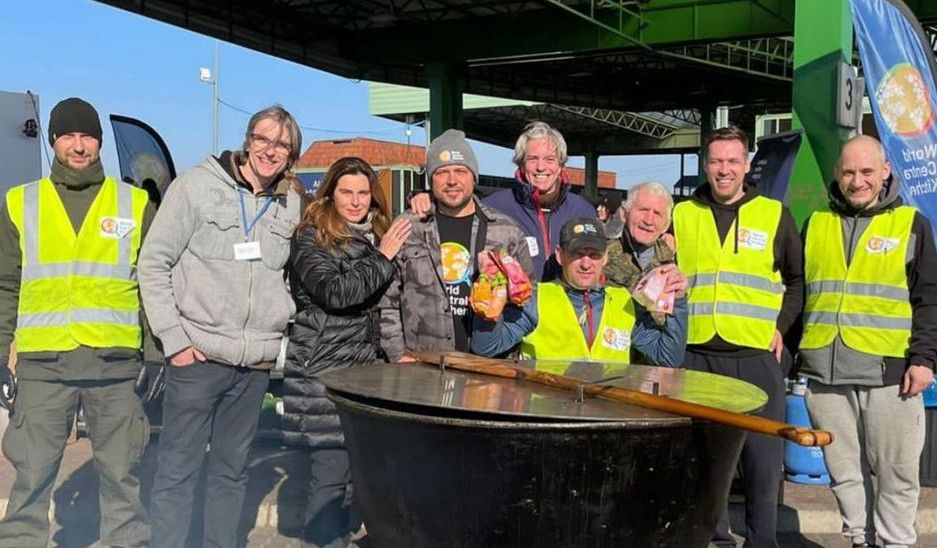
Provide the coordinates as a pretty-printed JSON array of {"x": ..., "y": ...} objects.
[
  {"x": 445, "y": 97},
  {"x": 822, "y": 39},
  {"x": 590, "y": 190},
  {"x": 554, "y": 32}
]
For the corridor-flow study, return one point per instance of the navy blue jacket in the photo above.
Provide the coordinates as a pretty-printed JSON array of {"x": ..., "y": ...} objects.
[{"x": 518, "y": 204}]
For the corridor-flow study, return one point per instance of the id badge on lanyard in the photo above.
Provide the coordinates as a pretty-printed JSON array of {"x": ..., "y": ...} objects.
[{"x": 249, "y": 250}]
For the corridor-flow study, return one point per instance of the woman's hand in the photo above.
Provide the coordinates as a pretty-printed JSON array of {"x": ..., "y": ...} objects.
[{"x": 394, "y": 238}]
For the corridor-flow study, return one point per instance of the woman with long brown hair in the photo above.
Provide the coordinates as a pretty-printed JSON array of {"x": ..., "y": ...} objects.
[{"x": 340, "y": 266}]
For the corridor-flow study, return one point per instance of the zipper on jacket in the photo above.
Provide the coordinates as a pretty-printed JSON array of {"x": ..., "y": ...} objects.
[
  {"x": 542, "y": 219},
  {"x": 250, "y": 283},
  {"x": 852, "y": 237}
]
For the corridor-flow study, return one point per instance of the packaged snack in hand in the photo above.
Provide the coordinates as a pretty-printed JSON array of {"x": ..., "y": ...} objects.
[
  {"x": 489, "y": 295},
  {"x": 486, "y": 264},
  {"x": 519, "y": 287},
  {"x": 649, "y": 292}
]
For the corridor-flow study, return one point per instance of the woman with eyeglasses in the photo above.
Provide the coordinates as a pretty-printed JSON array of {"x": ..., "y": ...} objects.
[{"x": 340, "y": 266}]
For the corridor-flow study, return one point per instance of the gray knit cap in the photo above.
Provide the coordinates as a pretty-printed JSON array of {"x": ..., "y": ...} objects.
[{"x": 448, "y": 149}]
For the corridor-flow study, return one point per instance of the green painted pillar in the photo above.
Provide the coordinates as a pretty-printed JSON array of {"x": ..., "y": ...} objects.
[
  {"x": 707, "y": 123},
  {"x": 590, "y": 190},
  {"x": 822, "y": 38},
  {"x": 445, "y": 97}
]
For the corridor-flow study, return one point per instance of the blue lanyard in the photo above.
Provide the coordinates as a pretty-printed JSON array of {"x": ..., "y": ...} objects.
[{"x": 260, "y": 213}]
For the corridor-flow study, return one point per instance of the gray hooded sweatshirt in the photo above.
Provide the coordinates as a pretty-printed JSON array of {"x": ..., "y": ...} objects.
[
  {"x": 838, "y": 364},
  {"x": 194, "y": 290}
]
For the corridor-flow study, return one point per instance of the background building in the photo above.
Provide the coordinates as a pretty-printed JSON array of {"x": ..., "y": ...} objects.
[{"x": 400, "y": 169}]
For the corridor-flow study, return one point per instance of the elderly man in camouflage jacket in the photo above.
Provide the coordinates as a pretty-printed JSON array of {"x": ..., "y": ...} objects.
[
  {"x": 427, "y": 306},
  {"x": 644, "y": 243}
]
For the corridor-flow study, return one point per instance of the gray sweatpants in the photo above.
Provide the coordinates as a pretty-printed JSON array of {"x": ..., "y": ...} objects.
[{"x": 878, "y": 434}]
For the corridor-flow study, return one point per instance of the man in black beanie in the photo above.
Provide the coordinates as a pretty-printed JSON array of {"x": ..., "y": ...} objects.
[{"x": 68, "y": 291}]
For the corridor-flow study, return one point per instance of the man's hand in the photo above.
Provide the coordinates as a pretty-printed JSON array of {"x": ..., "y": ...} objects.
[
  {"x": 777, "y": 345},
  {"x": 916, "y": 379},
  {"x": 406, "y": 358},
  {"x": 420, "y": 204},
  {"x": 676, "y": 281},
  {"x": 150, "y": 382},
  {"x": 187, "y": 357},
  {"x": 7, "y": 388}
]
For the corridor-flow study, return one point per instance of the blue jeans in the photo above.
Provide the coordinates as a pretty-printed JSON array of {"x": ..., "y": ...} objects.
[{"x": 204, "y": 403}]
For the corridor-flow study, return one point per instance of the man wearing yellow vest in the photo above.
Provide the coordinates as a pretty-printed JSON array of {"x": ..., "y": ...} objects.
[
  {"x": 743, "y": 256},
  {"x": 68, "y": 290},
  {"x": 870, "y": 342},
  {"x": 578, "y": 317}
]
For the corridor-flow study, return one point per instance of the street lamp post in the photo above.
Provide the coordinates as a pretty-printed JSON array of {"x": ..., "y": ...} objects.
[{"x": 210, "y": 77}]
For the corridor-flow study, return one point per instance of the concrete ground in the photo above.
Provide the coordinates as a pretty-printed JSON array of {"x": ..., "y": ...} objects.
[{"x": 273, "y": 510}]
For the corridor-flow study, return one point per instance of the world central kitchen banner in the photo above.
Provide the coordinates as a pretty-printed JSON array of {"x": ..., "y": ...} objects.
[{"x": 899, "y": 72}]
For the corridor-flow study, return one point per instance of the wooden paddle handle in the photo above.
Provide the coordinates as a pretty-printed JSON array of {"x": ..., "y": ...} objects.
[{"x": 505, "y": 369}]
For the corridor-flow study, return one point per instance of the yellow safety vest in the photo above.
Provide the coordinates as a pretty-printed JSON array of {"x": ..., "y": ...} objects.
[
  {"x": 866, "y": 303},
  {"x": 559, "y": 337},
  {"x": 735, "y": 294},
  {"x": 77, "y": 289}
]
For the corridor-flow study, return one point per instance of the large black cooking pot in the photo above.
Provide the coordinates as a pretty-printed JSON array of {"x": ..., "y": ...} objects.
[{"x": 442, "y": 458}]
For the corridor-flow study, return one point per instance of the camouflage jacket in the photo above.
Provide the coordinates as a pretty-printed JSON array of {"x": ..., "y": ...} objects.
[
  {"x": 623, "y": 270},
  {"x": 415, "y": 312}
]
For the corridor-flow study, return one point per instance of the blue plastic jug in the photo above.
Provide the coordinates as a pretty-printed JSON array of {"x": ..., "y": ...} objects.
[
  {"x": 930, "y": 394},
  {"x": 802, "y": 464}
]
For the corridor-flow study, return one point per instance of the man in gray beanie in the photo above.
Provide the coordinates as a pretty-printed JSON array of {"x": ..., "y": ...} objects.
[
  {"x": 68, "y": 291},
  {"x": 427, "y": 305}
]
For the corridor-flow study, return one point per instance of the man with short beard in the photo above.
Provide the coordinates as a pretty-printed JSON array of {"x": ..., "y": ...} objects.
[
  {"x": 870, "y": 342},
  {"x": 578, "y": 318},
  {"x": 69, "y": 299},
  {"x": 540, "y": 201},
  {"x": 427, "y": 306},
  {"x": 743, "y": 256}
]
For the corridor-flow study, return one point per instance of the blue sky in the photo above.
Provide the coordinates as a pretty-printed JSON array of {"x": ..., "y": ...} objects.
[{"x": 127, "y": 64}]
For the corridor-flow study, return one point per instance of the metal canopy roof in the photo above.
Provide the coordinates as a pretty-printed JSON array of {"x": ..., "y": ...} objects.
[
  {"x": 637, "y": 55},
  {"x": 611, "y": 62}
]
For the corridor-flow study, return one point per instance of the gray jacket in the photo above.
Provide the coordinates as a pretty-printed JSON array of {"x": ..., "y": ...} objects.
[
  {"x": 194, "y": 291},
  {"x": 415, "y": 312}
]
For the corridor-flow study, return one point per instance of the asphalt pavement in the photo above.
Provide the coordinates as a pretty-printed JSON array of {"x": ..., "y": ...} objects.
[{"x": 272, "y": 514}]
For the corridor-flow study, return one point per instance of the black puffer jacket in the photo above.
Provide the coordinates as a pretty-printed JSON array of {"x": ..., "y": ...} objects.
[{"x": 336, "y": 326}]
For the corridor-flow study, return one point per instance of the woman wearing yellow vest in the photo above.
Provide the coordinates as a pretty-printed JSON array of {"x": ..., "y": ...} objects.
[
  {"x": 579, "y": 318},
  {"x": 870, "y": 342}
]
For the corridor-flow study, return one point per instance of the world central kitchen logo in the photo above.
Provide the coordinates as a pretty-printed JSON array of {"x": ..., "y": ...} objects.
[{"x": 904, "y": 101}]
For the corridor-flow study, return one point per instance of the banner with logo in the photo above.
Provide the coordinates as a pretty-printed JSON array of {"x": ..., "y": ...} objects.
[
  {"x": 142, "y": 154},
  {"x": 773, "y": 163},
  {"x": 898, "y": 63}
]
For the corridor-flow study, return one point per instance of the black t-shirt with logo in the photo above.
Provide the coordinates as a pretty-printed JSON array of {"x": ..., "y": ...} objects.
[{"x": 458, "y": 268}]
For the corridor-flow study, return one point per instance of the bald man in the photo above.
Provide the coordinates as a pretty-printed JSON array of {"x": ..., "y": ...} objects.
[{"x": 870, "y": 342}]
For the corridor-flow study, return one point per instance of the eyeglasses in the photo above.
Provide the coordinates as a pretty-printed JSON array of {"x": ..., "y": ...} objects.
[{"x": 263, "y": 143}]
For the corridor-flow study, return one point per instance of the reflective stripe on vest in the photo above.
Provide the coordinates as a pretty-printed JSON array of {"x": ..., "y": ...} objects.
[
  {"x": 77, "y": 289},
  {"x": 558, "y": 334},
  {"x": 735, "y": 293},
  {"x": 866, "y": 303}
]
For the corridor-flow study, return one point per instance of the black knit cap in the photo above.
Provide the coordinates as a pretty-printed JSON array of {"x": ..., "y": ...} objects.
[{"x": 74, "y": 115}]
